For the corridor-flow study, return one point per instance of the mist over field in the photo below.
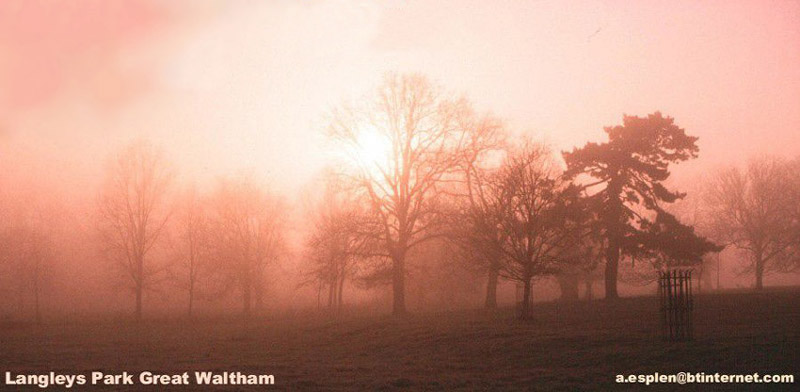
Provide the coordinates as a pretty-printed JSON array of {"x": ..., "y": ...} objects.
[{"x": 329, "y": 180}]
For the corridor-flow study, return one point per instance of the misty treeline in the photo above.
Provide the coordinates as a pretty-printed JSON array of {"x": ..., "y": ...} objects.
[
  {"x": 428, "y": 196},
  {"x": 222, "y": 241}
]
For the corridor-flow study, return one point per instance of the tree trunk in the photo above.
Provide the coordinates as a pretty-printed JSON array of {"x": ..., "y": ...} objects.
[
  {"x": 341, "y": 288},
  {"x": 491, "y": 286},
  {"x": 331, "y": 294},
  {"x": 138, "y": 302},
  {"x": 700, "y": 281},
  {"x": 139, "y": 285},
  {"x": 398, "y": 285},
  {"x": 526, "y": 300},
  {"x": 614, "y": 225},
  {"x": 247, "y": 299},
  {"x": 191, "y": 298},
  {"x": 568, "y": 283},
  {"x": 759, "y": 272},
  {"x": 612, "y": 266},
  {"x": 259, "y": 293},
  {"x": 36, "y": 301},
  {"x": 319, "y": 295},
  {"x": 589, "y": 295}
]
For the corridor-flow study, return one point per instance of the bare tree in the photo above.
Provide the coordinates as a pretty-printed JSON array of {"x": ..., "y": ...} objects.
[
  {"x": 133, "y": 211},
  {"x": 536, "y": 210},
  {"x": 36, "y": 259},
  {"x": 30, "y": 256},
  {"x": 792, "y": 261},
  {"x": 475, "y": 231},
  {"x": 334, "y": 245},
  {"x": 751, "y": 209},
  {"x": 485, "y": 144},
  {"x": 193, "y": 257},
  {"x": 248, "y": 227},
  {"x": 31, "y": 244},
  {"x": 404, "y": 142}
]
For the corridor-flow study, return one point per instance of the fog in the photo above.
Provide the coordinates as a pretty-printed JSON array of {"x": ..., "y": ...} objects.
[
  {"x": 399, "y": 194},
  {"x": 247, "y": 89}
]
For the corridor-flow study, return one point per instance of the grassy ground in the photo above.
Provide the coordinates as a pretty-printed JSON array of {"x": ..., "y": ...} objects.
[{"x": 580, "y": 346}]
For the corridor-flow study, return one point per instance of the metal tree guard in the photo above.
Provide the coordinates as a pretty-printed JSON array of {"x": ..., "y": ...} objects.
[{"x": 677, "y": 304}]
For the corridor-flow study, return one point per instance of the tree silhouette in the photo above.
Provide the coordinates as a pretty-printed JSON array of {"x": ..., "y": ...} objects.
[
  {"x": 689, "y": 211},
  {"x": 475, "y": 230},
  {"x": 249, "y": 228},
  {"x": 539, "y": 214},
  {"x": 403, "y": 142},
  {"x": 669, "y": 243},
  {"x": 631, "y": 166},
  {"x": 334, "y": 245},
  {"x": 584, "y": 254},
  {"x": 133, "y": 212},
  {"x": 193, "y": 269},
  {"x": 756, "y": 211},
  {"x": 794, "y": 212},
  {"x": 31, "y": 254}
]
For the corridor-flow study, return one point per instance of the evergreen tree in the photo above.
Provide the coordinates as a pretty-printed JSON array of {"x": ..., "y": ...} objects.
[{"x": 632, "y": 167}]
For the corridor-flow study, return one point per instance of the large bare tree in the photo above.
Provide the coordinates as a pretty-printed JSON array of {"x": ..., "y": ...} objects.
[
  {"x": 404, "y": 142},
  {"x": 755, "y": 210},
  {"x": 540, "y": 216},
  {"x": 133, "y": 209}
]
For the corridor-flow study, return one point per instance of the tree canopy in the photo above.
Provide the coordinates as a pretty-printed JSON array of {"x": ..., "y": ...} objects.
[{"x": 631, "y": 167}]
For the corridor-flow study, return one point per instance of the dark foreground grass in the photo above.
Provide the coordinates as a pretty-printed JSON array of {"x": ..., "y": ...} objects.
[{"x": 579, "y": 346}]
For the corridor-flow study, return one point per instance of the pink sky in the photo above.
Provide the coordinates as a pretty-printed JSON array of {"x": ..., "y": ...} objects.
[{"x": 227, "y": 86}]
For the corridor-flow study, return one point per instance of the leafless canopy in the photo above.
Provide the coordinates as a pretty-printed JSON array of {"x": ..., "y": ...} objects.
[
  {"x": 424, "y": 130},
  {"x": 534, "y": 210},
  {"x": 755, "y": 210},
  {"x": 248, "y": 225},
  {"x": 194, "y": 268},
  {"x": 133, "y": 211},
  {"x": 335, "y": 244}
]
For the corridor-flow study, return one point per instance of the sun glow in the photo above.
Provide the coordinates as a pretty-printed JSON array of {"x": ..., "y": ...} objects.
[{"x": 371, "y": 152}]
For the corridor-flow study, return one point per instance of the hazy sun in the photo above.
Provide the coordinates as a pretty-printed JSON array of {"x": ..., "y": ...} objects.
[{"x": 372, "y": 151}]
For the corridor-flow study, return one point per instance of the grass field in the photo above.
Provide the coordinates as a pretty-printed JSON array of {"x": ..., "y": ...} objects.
[{"x": 578, "y": 346}]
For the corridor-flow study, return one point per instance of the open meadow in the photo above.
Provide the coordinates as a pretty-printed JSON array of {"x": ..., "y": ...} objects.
[{"x": 566, "y": 346}]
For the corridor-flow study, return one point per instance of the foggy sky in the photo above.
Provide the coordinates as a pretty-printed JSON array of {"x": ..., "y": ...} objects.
[{"x": 226, "y": 86}]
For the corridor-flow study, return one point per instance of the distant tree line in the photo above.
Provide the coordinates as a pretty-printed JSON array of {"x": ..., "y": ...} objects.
[
  {"x": 216, "y": 243},
  {"x": 513, "y": 211},
  {"x": 428, "y": 194}
]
